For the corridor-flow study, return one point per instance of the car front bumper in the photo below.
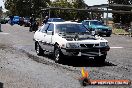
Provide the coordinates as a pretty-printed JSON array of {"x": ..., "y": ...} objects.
[
  {"x": 105, "y": 32},
  {"x": 91, "y": 52}
]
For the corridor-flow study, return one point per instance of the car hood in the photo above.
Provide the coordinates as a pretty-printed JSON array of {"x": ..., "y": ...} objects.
[
  {"x": 99, "y": 26},
  {"x": 77, "y": 37}
]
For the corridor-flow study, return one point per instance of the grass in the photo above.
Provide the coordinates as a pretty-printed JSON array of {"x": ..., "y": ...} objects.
[{"x": 119, "y": 31}]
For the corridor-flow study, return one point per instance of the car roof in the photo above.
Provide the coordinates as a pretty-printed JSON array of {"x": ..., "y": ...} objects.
[
  {"x": 67, "y": 22},
  {"x": 90, "y": 20},
  {"x": 55, "y": 18},
  {"x": 16, "y": 16}
]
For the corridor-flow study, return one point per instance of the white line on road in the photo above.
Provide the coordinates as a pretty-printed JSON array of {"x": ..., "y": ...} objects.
[
  {"x": 116, "y": 47},
  {"x": 4, "y": 33}
]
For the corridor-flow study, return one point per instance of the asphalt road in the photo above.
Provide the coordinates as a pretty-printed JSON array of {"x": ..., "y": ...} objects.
[{"x": 20, "y": 67}]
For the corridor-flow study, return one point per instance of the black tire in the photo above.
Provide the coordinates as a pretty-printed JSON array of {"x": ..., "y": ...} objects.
[
  {"x": 100, "y": 59},
  {"x": 39, "y": 50},
  {"x": 108, "y": 35},
  {"x": 58, "y": 55}
]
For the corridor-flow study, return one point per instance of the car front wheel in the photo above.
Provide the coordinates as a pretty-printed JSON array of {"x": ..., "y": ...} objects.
[
  {"x": 108, "y": 35},
  {"x": 58, "y": 55},
  {"x": 39, "y": 50}
]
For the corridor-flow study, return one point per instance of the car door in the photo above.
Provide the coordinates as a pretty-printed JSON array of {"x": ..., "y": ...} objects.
[
  {"x": 91, "y": 28},
  {"x": 40, "y": 35},
  {"x": 48, "y": 38}
]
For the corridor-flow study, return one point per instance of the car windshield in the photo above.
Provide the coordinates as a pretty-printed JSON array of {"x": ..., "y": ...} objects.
[
  {"x": 71, "y": 28},
  {"x": 96, "y": 23}
]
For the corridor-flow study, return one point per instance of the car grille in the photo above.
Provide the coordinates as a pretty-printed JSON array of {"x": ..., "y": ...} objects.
[
  {"x": 88, "y": 45},
  {"x": 104, "y": 29},
  {"x": 91, "y": 51}
]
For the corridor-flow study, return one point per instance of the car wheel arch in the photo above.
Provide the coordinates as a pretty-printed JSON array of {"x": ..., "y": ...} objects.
[
  {"x": 56, "y": 45},
  {"x": 36, "y": 44}
]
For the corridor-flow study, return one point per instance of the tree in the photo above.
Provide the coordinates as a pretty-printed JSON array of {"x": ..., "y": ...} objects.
[
  {"x": 69, "y": 14},
  {"x": 79, "y": 4},
  {"x": 118, "y": 17},
  {"x": 25, "y": 7},
  {"x": 61, "y": 13},
  {"x": 1, "y": 11}
]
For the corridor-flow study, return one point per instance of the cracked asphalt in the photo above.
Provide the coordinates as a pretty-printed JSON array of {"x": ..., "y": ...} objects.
[{"x": 20, "y": 67}]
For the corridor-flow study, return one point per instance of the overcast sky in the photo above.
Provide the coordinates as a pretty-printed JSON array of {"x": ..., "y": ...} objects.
[{"x": 1, "y": 3}]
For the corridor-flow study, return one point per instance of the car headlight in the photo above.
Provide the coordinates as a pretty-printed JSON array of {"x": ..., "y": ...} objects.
[
  {"x": 103, "y": 43},
  {"x": 109, "y": 28},
  {"x": 72, "y": 45}
]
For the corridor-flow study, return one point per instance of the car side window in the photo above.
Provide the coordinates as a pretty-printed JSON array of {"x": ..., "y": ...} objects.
[
  {"x": 51, "y": 27},
  {"x": 44, "y": 28}
]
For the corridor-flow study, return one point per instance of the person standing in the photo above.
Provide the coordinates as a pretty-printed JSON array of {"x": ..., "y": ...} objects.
[
  {"x": 45, "y": 20},
  {"x": 31, "y": 24},
  {"x": 11, "y": 20}
]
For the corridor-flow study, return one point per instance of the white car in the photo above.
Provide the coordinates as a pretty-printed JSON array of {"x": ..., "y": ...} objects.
[{"x": 69, "y": 38}]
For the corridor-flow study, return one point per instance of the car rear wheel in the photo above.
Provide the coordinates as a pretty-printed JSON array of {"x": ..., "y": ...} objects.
[
  {"x": 58, "y": 55},
  {"x": 39, "y": 50}
]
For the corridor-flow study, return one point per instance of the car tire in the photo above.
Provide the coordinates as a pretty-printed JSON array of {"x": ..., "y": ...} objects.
[
  {"x": 100, "y": 59},
  {"x": 58, "y": 55},
  {"x": 108, "y": 35},
  {"x": 39, "y": 50}
]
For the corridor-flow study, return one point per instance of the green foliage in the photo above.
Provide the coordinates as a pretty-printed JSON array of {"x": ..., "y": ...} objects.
[
  {"x": 29, "y": 7},
  {"x": 118, "y": 17},
  {"x": 79, "y": 4},
  {"x": 119, "y": 31},
  {"x": 69, "y": 14},
  {"x": 1, "y": 11},
  {"x": 25, "y": 7}
]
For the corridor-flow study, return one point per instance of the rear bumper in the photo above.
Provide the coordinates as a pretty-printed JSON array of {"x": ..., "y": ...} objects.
[{"x": 91, "y": 52}]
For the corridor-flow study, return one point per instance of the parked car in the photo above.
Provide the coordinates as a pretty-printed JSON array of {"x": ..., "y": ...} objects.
[
  {"x": 21, "y": 21},
  {"x": 97, "y": 27},
  {"x": 26, "y": 21},
  {"x": 4, "y": 20},
  {"x": 55, "y": 20},
  {"x": 71, "y": 39},
  {"x": 16, "y": 19}
]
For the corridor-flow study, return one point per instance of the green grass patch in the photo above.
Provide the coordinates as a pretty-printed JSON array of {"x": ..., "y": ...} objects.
[{"x": 119, "y": 31}]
